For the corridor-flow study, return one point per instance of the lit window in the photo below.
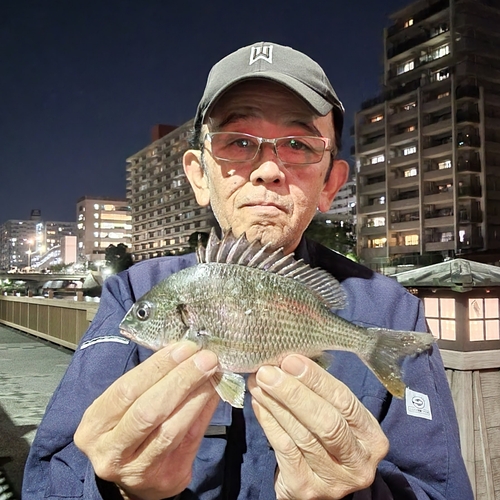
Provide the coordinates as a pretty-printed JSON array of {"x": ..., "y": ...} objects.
[
  {"x": 411, "y": 172},
  {"x": 378, "y": 242},
  {"x": 381, "y": 200},
  {"x": 441, "y": 51},
  {"x": 410, "y": 150},
  {"x": 411, "y": 128},
  {"x": 411, "y": 239},
  {"x": 447, "y": 236},
  {"x": 440, "y": 316},
  {"x": 376, "y": 118},
  {"x": 444, "y": 94},
  {"x": 484, "y": 319},
  {"x": 408, "y": 23},
  {"x": 439, "y": 75},
  {"x": 409, "y": 106},
  {"x": 109, "y": 207},
  {"x": 96, "y": 216},
  {"x": 444, "y": 164},
  {"x": 377, "y": 159},
  {"x": 405, "y": 67},
  {"x": 96, "y": 206}
]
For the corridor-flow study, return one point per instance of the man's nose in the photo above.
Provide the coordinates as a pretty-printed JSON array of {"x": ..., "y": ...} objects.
[{"x": 268, "y": 168}]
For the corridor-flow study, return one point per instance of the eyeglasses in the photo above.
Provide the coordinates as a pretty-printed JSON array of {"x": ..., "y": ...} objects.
[{"x": 294, "y": 150}]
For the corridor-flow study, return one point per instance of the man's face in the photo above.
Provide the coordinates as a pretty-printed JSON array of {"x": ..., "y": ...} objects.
[{"x": 264, "y": 198}]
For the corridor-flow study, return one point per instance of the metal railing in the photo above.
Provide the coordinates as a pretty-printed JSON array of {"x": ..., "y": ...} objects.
[{"x": 61, "y": 321}]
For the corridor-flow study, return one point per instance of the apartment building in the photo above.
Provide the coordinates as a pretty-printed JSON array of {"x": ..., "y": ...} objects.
[
  {"x": 23, "y": 243},
  {"x": 428, "y": 147},
  {"x": 102, "y": 221},
  {"x": 164, "y": 210},
  {"x": 344, "y": 205}
]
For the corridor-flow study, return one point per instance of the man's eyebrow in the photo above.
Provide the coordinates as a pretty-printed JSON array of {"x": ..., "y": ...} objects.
[{"x": 231, "y": 118}]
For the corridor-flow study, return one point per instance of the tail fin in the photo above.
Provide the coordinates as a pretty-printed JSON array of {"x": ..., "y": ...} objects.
[{"x": 390, "y": 347}]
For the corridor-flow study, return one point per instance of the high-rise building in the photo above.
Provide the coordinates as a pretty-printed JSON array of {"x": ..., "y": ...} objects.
[
  {"x": 25, "y": 243},
  {"x": 428, "y": 147},
  {"x": 344, "y": 205},
  {"x": 164, "y": 210},
  {"x": 102, "y": 222}
]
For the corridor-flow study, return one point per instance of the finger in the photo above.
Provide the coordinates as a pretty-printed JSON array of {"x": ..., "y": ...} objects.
[
  {"x": 108, "y": 408},
  {"x": 184, "y": 430},
  {"x": 298, "y": 444},
  {"x": 153, "y": 407},
  {"x": 316, "y": 414},
  {"x": 361, "y": 422}
]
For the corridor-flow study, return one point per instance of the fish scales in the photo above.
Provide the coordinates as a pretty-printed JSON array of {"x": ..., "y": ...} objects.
[{"x": 251, "y": 316}]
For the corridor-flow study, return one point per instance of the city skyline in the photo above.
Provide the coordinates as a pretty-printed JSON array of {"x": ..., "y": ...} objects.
[{"x": 83, "y": 86}]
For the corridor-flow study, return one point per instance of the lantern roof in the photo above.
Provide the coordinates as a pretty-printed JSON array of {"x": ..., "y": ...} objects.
[{"x": 459, "y": 274}]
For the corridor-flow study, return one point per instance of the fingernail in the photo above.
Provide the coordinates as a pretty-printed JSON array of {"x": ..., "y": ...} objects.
[
  {"x": 183, "y": 351},
  {"x": 293, "y": 365},
  {"x": 206, "y": 361},
  {"x": 269, "y": 375}
]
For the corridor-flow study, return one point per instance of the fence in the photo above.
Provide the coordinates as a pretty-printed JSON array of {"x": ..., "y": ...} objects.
[{"x": 58, "y": 320}]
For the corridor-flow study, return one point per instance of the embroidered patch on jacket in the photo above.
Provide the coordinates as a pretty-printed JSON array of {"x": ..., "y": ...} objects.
[
  {"x": 98, "y": 340},
  {"x": 418, "y": 404}
]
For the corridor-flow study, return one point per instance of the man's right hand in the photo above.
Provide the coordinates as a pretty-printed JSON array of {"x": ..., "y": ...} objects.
[{"x": 144, "y": 431}]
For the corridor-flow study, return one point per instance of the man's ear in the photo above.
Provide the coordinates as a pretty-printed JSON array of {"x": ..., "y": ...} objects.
[
  {"x": 197, "y": 176},
  {"x": 337, "y": 178}
]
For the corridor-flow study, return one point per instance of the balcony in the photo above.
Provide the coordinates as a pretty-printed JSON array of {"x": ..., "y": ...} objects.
[
  {"x": 438, "y": 174},
  {"x": 373, "y": 253},
  {"x": 402, "y": 116},
  {"x": 437, "y": 104},
  {"x": 372, "y": 146},
  {"x": 402, "y": 182},
  {"x": 401, "y": 249},
  {"x": 372, "y": 231},
  {"x": 438, "y": 127},
  {"x": 404, "y": 138},
  {"x": 377, "y": 187},
  {"x": 439, "y": 198},
  {"x": 370, "y": 128},
  {"x": 437, "y": 151},
  {"x": 422, "y": 39},
  {"x": 400, "y": 161},
  {"x": 439, "y": 246},
  {"x": 469, "y": 192},
  {"x": 406, "y": 203},
  {"x": 372, "y": 168},
  {"x": 469, "y": 217},
  {"x": 439, "y": 221},
  {"x": 374, "y": 208},
  {"x": 467, "y": 91},
  {"x": 419, "y": 16},
  {"x": 405, "y": 225}
]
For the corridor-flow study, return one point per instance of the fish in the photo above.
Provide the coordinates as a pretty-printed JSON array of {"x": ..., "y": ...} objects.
[{"x": 253, "y": 306}]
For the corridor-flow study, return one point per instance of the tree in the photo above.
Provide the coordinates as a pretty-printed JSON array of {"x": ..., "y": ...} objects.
[
  {"x": 338, "y": 235},
  {"x": 117, "y": 257}
]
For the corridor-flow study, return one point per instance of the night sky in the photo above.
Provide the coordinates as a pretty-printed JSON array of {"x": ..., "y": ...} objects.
[{"x": 82, "y": 82}]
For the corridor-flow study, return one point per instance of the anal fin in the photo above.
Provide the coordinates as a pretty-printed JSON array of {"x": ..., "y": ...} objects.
[{"x": 230, "y": 387}]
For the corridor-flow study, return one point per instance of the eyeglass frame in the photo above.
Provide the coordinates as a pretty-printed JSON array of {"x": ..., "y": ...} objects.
[{"x": 326, "y": 141}]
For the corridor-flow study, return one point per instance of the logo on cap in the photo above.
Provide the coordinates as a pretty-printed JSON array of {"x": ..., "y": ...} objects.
[{"x": 264, "y": 52}]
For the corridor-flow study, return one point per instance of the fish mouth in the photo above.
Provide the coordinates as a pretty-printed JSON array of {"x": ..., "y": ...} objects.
[{"x": 128, "y": 331}]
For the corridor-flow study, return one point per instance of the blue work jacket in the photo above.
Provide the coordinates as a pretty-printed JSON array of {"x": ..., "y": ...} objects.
[{"x": 235, "y": 460}]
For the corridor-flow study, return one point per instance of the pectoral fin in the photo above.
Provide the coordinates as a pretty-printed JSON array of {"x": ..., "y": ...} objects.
[{"x": 230, "y": 387}]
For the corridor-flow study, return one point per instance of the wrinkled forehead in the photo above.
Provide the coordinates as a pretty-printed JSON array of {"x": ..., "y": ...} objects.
[{"x": 258, "y": 98}]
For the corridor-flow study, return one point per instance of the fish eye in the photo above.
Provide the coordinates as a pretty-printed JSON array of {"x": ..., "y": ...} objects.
[{"x": 143, "y": 311}]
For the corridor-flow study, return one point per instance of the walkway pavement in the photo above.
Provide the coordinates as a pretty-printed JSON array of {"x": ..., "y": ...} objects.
[{"x": 30, "y": 369}]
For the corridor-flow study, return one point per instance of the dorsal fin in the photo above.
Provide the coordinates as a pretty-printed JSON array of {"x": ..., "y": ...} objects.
[{"x": 232, "y": 250}]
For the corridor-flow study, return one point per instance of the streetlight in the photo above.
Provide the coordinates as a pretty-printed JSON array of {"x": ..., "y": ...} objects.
[{"x": 29, "y": 254}]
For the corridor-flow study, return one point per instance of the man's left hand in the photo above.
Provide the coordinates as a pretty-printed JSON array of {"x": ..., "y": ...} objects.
[{"x": 327, "y": 443}]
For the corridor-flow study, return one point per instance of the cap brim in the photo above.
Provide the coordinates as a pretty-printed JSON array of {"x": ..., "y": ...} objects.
[{"x": 311, "y": 97}]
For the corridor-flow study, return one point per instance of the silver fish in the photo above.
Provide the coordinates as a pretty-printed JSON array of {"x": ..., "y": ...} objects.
[{"x": 253, "y": 307}]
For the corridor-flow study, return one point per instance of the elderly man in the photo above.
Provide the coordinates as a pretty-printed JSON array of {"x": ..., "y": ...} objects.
[{"x": 266, "y": 135}]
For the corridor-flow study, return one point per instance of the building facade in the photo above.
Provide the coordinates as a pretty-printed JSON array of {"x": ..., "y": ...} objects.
[
  {"x": 164, "y": 210},
  {"x": 428, "y": 147},
  {"x": 101, "y": 222},
  {"x": 26, "y": 243},
  {"x": 344, "y": 205}
]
